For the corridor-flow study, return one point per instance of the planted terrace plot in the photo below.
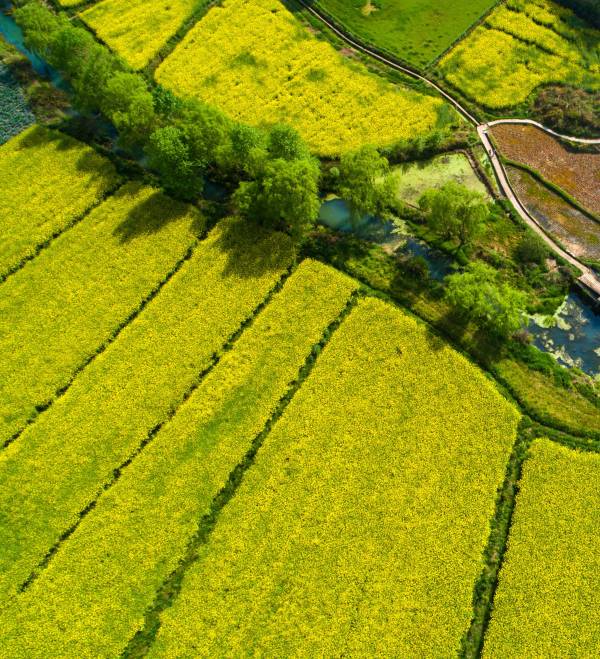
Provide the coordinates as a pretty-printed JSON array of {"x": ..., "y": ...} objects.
[
  {"x": 547, "y": 598},
  {"x": 256, "y": 61},
  {"x": 414, "y": 30},
  {"x": 523, "y": 44},
  {"x": 140, "y": 530},
  {"x": 126, "y": 392},
  {"x": 579, "y": 233},
  {"x": 58, "y": 311},
  {"x": 577, "y": 173},
  {"x": 360, "y": 528},
  {"x": 137, "y": 29},
  {"x": 48, "y": 181}
]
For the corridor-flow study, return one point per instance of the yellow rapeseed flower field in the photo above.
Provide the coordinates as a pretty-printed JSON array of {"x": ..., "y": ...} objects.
[
  {"x": 48, "y": 181},
  {"x": 255, "y": 60},
  {"x": 546, "y": 604},
  {"x": 58, "y": 310},
  {"x": 360, "y": 528},
  {"x": 137, "y": 29},
  {"x": 140, "y": 529},
  {"x": 523, "y": 44}
]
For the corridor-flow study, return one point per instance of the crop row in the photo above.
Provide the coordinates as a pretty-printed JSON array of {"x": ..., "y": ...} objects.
[
  {"x": 92, "y": 597},
  {"x": 48, "y": 181},
  {"x": 578, "y": 174},
  {"x": 60, "y": 462},
  {"x": 137, "y": 29},
  {"x": 501, "y": 62},
  {"x": 360, "y": 528},
  {"x": 257, "y": 62},
  {"x": 546, "y": 604},
  {"x": 58, "y": 311}
]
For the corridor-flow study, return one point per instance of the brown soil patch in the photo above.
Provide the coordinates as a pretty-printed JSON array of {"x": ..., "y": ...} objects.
[{"x": 576, "y": 173}]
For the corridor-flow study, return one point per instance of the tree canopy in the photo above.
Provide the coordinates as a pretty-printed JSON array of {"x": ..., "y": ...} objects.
[
  {"x": 477, "y": 294},
  {"x": 455, "y": 212}
]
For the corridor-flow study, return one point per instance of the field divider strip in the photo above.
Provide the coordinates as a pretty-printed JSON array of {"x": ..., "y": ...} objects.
[
  {"x": 59, "y": 393},
  {"x": 493, "y": 557},
  {"x": 117, "y": 472},
  {"x": 40, "y": 247},
  {"x": 141, "y": 642}
]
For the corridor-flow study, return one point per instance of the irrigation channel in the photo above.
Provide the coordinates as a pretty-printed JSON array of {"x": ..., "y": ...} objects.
[{"x": 572, "y": 336}]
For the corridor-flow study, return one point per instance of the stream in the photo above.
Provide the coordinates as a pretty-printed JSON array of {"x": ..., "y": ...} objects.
[{"x": 572, "y": 335}]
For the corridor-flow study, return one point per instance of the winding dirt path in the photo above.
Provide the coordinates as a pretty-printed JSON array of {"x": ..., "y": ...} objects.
[{"x": 588, "y": 279}]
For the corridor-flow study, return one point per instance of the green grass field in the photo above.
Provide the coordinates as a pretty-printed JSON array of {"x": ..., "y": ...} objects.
[
  {"x": 546, "y": 602},
  {"x": 127, "y": 391},
  {"x": 360, "y": 528},
  {"x": 58, "y": 310},
  {"x": 417, "y": 31},
  {"x": 48, "y": 181}
]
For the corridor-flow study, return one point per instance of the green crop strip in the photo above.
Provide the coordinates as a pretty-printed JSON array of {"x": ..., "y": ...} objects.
[
  {"x": 546, "y": 602},
  {"x": 58, "y": 311},
  {"x": 113, "y": 405},
  {"x": 376, "y": 554},
  {"x": 49, "y": 182},
  {"x": 154, "y": 509}
]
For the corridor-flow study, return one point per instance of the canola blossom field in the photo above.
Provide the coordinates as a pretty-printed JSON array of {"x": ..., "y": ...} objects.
[
  {"x": 546, "y": 603},
  {"x": 407, "y": 428},
  {"x": 229, "y": 430},
  {"x": 49, "y": 181},
  {"x": 257, "y": 62},
  {"x": 137, "y": 29},
  {"x": 522, "y": 45}
]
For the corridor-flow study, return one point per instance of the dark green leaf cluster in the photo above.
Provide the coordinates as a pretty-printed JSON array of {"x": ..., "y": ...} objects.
[{"x": 477, "y": 294}]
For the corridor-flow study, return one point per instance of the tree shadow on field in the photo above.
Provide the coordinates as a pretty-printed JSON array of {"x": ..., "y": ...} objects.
[
  {"x": 88, "y": 161},
  {"x": 152, "y": 214},
  {"x": 251, "y": 250}
]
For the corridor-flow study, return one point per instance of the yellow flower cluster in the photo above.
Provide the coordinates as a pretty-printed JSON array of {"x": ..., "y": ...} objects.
[
  {"x": 57, "y": 311},
  {"x": 546, "y": 604},
  {"x": 521, "y": 46},
  {"x": 359, "y": 530},
  {"x": 257, "y": 62},
  {"x": 48, "y": 181},
  {"x": 137, "y": 29},
  {"x": 140, "y": 529}
]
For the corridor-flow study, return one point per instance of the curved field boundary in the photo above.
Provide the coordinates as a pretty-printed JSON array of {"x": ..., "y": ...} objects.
[
  {"x": 395, "y": 64},
  {"x": 588, "y": 279},
  {"x": 537, "y": 124}
]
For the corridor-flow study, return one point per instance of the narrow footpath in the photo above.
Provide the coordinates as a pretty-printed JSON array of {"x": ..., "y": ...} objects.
[{"x": 588, "y": 279}]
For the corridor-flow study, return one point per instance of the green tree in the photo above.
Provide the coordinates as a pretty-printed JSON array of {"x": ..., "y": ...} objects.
[
  {"x": 284, "y": 196},
  {"x": 364, "y": 182},
  {"x": 39, "y": 26},
  {"x": 478, "y": 295},
  {"x": 129, "y": 104},
  {"x": 531, "y": 249},
  {"x": 169, "y": 155},
  {"x": 455, "y": 212},
  {"x": 285, "y": 142}
]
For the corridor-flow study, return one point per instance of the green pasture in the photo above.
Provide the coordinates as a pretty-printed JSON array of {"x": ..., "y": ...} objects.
[{"x": 416, "y": 31}]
